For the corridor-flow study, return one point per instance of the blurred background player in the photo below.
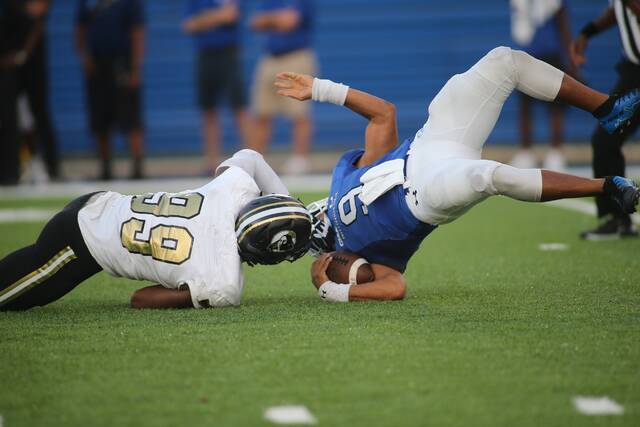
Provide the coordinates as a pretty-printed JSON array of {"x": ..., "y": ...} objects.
[
  {"x": 23, "y": 70},
  {"x": 34, "y": 85},
  {"x": 215, "y": 27},
  {"x": 287, "y": 26},
  {"x": 608, "y": 158},
  {"x": 541, "y": 28},
  {"x": 10, "y": 45},
  {"x": 110, "y": 44}
]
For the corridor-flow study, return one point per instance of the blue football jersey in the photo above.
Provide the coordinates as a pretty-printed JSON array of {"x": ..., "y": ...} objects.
[{"x": 384, "y": 232}]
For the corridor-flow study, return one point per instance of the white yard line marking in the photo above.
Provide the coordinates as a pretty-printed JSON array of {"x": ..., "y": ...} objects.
[
  {"x": 584, "y": 207},
  {"x": 26, "y": 215},
  {"x": 597, "y": 405},
  {"x": 289, "y": 414},
  {"x": 553, "y": 246},
  {"x": 320, "y": 182}
]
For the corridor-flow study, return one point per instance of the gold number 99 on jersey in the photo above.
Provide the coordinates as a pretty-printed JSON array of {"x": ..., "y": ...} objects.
[{"x": 166, "y": 243}]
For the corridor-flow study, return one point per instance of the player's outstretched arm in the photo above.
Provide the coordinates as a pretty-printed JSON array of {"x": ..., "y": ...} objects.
[
  {"x": 256, "y": 166},
  {"x": 158, "y": 296},
  {"x": 389, "y": 284},
  {"x": 381, "y": 134}
]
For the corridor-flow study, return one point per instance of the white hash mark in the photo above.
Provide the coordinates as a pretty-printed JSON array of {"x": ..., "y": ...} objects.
[
  {"x": 597, "y": 405},
  {"x": 289, "y": 414},
  {"x": 553, "y": 247}
]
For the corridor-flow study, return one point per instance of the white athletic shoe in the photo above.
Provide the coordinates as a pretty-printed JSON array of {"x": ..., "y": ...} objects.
[
  {"x": 555, "y": 160},
  {"x": 524, "y": 159},
  {"x": 35, "y": 172},
  {"x": 297, "y": 165}
]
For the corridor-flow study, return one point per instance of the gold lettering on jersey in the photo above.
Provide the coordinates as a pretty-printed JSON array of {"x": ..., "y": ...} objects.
[
  {"x": 186, "y": 205},
  {"x": 128, "y": 233},
  {"x": 171, "y": 244},
  {"x": 167, "y": 243}
]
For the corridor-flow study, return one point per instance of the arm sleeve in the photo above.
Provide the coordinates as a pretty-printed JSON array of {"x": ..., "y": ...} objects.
[
  {"x": 202, "y": 298},
  {"x": 257, "y": 168}
]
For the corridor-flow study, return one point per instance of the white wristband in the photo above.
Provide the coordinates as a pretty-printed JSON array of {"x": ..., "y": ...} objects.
[
  {"x": 334, "y": 292},
  {"x": 328, "y": 91}
]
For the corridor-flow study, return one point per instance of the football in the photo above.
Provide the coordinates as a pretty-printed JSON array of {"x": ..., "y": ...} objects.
[{"x": 347, "y": 267}]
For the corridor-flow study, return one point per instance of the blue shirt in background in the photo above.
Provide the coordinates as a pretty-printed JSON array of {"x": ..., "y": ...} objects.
[
  {"x": 546, "y": 40},
  {"x": 109, "y": 24},
  {"x": 278, "y": 43},
  {"x": 384, "y": 232},
  {"x": 219, "y": 37}
]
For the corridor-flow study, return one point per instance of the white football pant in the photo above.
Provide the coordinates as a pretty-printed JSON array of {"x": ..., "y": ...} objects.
[{"x": 445, "y": 173}]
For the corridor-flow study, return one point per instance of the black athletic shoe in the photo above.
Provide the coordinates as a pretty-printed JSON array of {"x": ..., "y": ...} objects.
[
  {"x": 611, "y": 229},
  {"x": 626, "y": 228},
  {"x": 624, "y": 191}
]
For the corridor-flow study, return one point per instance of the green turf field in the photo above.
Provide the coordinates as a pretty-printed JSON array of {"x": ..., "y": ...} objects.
[{"x": 494, "y": 332}]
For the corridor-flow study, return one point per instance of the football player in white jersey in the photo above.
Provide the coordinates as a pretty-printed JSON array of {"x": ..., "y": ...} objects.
[{"x": 191, "y": 243}]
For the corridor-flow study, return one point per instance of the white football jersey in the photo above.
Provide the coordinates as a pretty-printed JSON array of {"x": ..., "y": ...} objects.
[{"x": 174, "y": 239}]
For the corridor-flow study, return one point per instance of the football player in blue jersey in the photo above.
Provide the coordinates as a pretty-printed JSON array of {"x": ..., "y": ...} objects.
[{"x": 386, "y": 198}]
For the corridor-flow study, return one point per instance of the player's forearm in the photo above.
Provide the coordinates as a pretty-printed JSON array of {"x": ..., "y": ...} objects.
[
  {"x": 160, "y": 297},
  {"x": 606, "y": 20},
  {"x": 383, "y": 289},
  {"x": 369, "y": 106},
  {"x": 257, "y": 168},
  {"x": 266, "y": 178}
]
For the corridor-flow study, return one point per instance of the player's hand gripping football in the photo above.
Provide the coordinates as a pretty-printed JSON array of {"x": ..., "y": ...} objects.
[
  {"x": 319, "y": 269},
  {"x": 294, "y": 85}
]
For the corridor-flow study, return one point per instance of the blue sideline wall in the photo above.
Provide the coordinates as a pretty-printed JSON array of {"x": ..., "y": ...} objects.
[{"x": 401, "y": 50}]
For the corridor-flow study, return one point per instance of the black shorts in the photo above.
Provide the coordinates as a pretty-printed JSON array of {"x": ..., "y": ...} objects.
[
  {"x": 219, "y": 73},
  {"x": 45, "y": 271},
  {"x": 112, "y": 101}
]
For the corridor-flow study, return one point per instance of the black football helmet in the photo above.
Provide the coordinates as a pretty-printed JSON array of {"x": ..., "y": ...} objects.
[
  {"x": 323, "y": 237},
  {"x": 273, "y": 228}
]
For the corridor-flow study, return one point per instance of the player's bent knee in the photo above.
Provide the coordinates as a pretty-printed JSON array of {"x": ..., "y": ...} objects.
[
  {"x": 247, "y": 152},
  {"x": 500, "y": 51}
]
